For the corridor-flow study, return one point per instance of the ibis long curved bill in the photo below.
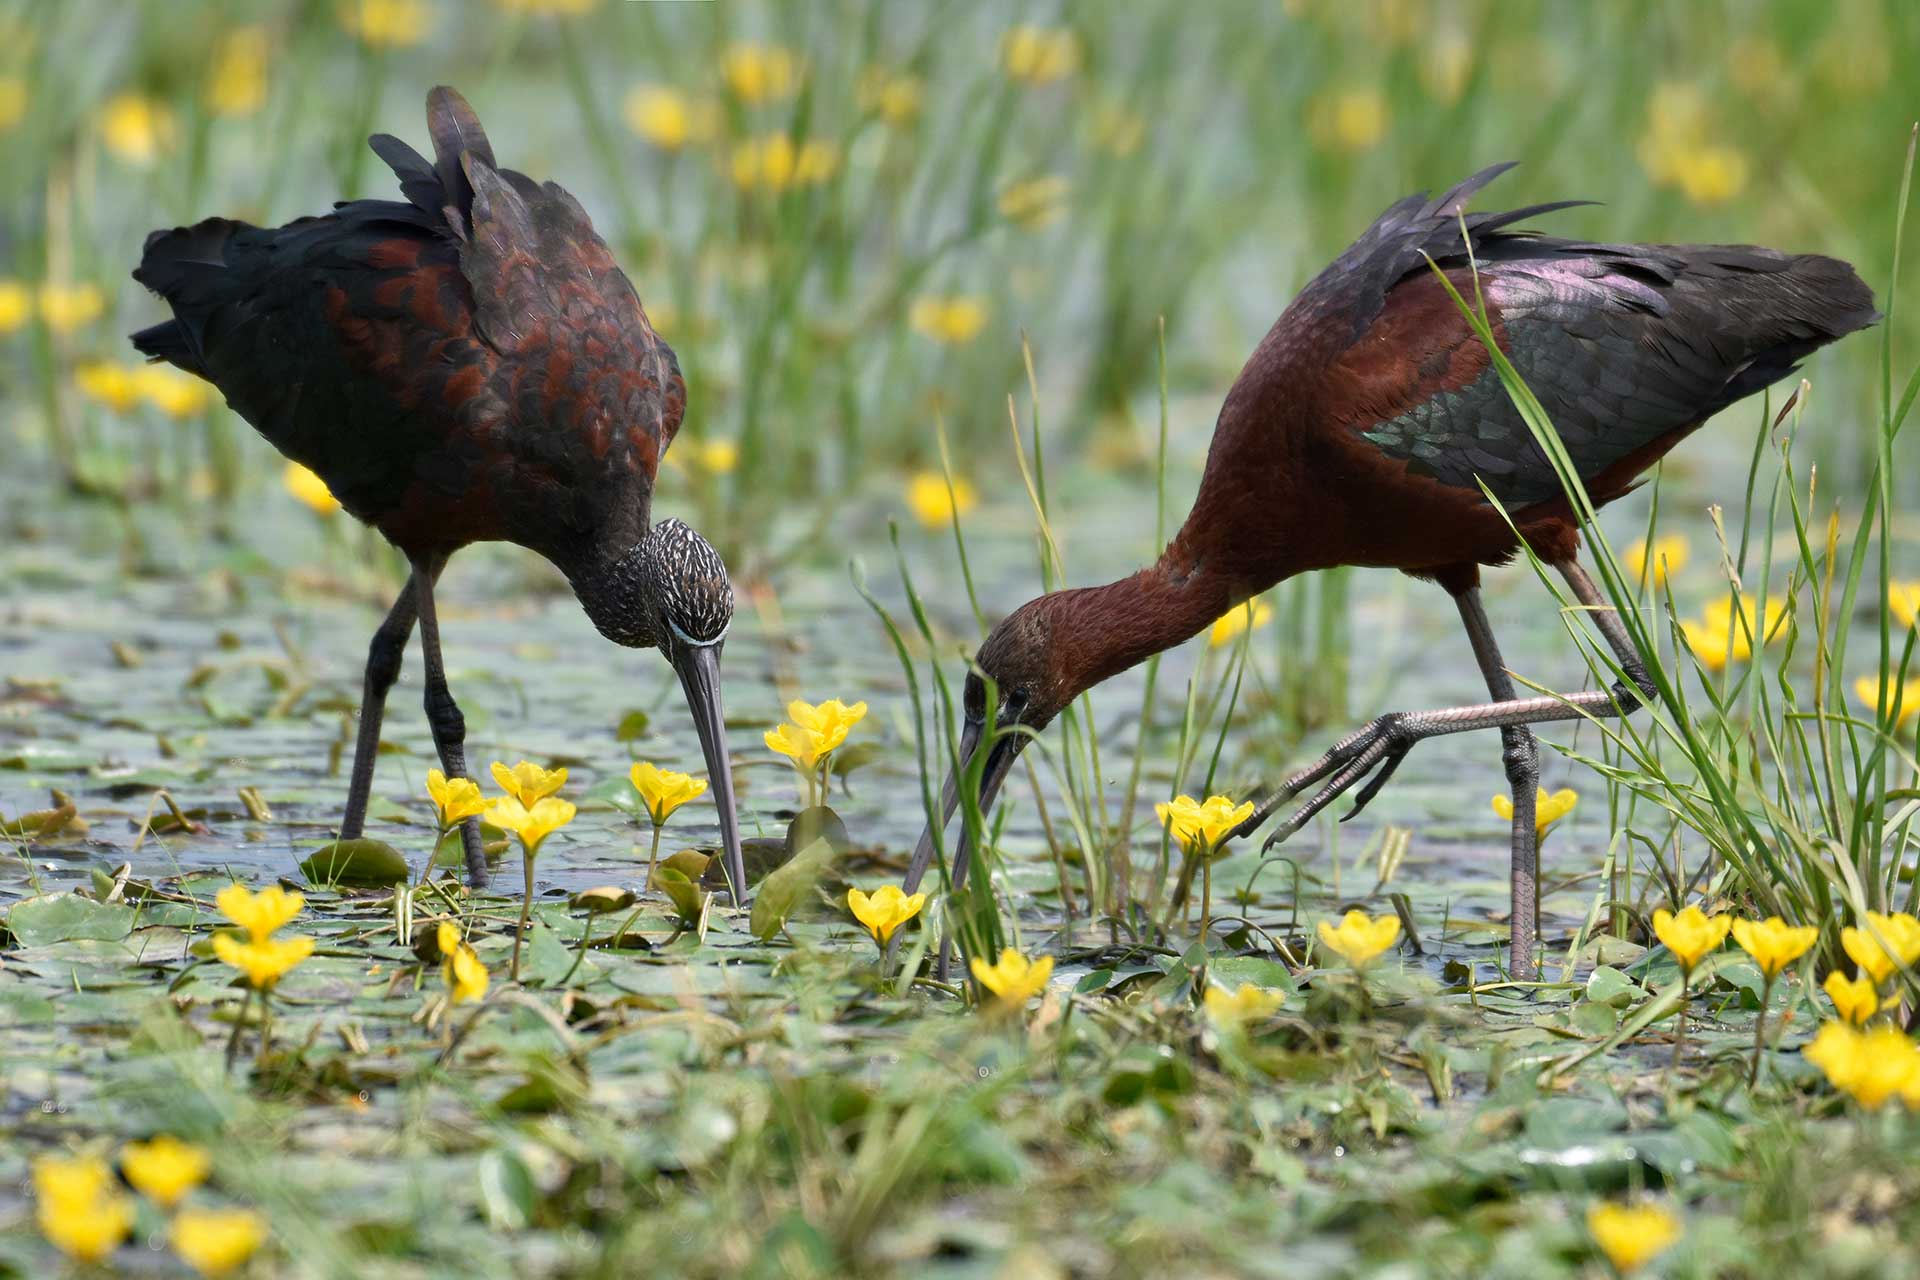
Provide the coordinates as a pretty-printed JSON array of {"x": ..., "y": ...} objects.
[
  {"x": 698, "y": 666},
  {"x": 1005, "y": 749}
]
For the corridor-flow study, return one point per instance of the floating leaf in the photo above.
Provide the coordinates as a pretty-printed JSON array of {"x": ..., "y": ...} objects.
[
  {"x": 68, "y": 917},
  {"x": 782, "y": 891},
  {"x": 632, "y": 727},
  {"x": 602, "y": 899},
  {"x": 684, "y": 893},
  {"x": 356, "y": 862}
]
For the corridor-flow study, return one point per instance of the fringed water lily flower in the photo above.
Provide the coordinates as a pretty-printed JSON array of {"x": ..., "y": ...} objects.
[
  {"x": 1657, "y": 563},
  {"x": 1013, "y": 978},
  {"x": 884, "y": 910},
  {"x": 217, "y": 1242},
  {"x": 528, "y": 782},
  {"x": 1200, "y": 825},
  {"x": 662, "y": 791},
  {"x": 1548, "y": 808},
  {"x": 454, "y": 799},
  {"x": 1869, "y": 692},
  {"x": 1234, "y": 623},
  {"x": 1691, "y": 934},
  {"x": 1885, "y": 944},
  {"x": 812, "y": 735},
  {"x": 1234, "y": 1010},
  {"x": 259, "y": 913},
  {"x": 1854, "y": 999},
  {"x": 265, "y": 962},
  {"x": 309, "y": 489},
  {"x": 1359, "y": 938},
  {"x": 1903, "y": 600},
  {"x": 1773, "y": 943},
  {"x": 1870, "y": 1066},
  {"x": 1632, "y": 1235},
  {"x": 933, "y": 504},
  {"x": 79, "y": 1207},
  {"x": 954, "y": 321},
  {"x": 531, "y": 812},
  {"x": 1720, "y": 637},
  {"x": 165, "y": 1169},
  {"x": 465, "y": 976}
]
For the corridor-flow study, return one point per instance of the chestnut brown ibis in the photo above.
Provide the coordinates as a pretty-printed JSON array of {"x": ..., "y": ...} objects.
[
  {"x": 1361, "y": 432},
  {"x": 468, "y": 365}
]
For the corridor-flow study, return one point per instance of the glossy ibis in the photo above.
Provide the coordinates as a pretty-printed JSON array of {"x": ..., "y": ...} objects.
[
  {"x": 1360, "y": 433},
  {"x": 467, "y": 365}
]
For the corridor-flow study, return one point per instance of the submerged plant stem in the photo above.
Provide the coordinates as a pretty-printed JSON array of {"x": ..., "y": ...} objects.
[{"x": 526, "y": 916}]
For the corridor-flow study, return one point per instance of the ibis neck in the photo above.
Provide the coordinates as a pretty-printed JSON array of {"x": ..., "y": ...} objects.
[{"x": 1112, "y": 628}]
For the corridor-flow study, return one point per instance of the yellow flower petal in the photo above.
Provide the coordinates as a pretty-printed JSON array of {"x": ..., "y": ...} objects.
[
  {"x": 884, "y": 910},
  {"x": 215, "y": 1242},
  {"x": 1235, "y": 1009},
  {"x": 1632, "y": 1235},
  {"x": 1773, "y": 943},
  {"x": 662, "y": 790},
  {"x": 1691, "y": 934},
  {"x": 1359, "y": 937},
  {"x": 310, "y": 489},
  {"x": 259, "y": 913},
  {"x": 1854, "y": 999},
  {"x": 1250, "y": 616},
  {"x": 932, "y": 505},
  {"x": 528, "y": 782},
  {"x": 264, "y": 962},
  {"x": 1013, "y": 978},
  {"x": 165, "y": 1169}
]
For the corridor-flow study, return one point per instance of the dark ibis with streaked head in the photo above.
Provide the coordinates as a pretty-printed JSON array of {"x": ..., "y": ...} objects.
[
  {"x": 1361, "y": 432},
  {"x": 466, "y": 365}
]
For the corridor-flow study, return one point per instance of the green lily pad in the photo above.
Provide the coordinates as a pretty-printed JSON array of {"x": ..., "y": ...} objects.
[{"x": 357, "y": 862}]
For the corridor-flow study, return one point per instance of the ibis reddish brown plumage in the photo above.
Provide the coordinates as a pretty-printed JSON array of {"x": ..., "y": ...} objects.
[
  {"x": 1362, "y": 432},
  {"x": 468, "y": 365}
]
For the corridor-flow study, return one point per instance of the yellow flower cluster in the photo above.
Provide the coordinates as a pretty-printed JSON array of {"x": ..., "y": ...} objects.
[
  {"x": 136, "y": 128},
  {"x": 884, "y": 910},
  {"x": 931, "y": 502},
  {"x": 260, "y": 955},
  {"x": 1870, "y": 1066},
  {"x": 63, "y": 307},
  {"x": 82, "y": 1212},
  {"x": 774, "y": 163},
  {"x": 529, "y": 810},
  {"x": 1679, "y": 149},
  {"x": 756, "y": 73},
  {"x": 814, "y": 731},
  {"x": 122, "y": 386},
  {"x": 666, "y": 117},
  {"x": 1887, "y": 944}
]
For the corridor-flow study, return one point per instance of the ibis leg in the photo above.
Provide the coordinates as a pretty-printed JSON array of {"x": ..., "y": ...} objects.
[
  {"x": 1521, "y": 755},
  {"x": 1378, "y": 747},
  {"x": 443, "y": 716},
  {"x": 384, "y": 655}
]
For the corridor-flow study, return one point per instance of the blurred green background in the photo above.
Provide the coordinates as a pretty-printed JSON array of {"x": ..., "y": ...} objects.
[{"x": 845, "y": 216}]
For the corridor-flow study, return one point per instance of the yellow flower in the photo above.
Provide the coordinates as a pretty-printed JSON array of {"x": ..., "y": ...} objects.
[
  {"x": 172, "y": 392},
  {"x": 532, "y": 824},
  {"x": 1886, "y": 944},
  {"x": 1118, "y": 130},
  {"x": 1013, "y": 978},
  {"x": 465, "y": 976},
  {"x": 1720, "y": 638},
  {"x": 663, "y": 790},
  {"x": 1200, "y": 825},
  {"x": 309, "y": 488},
  {"x": 13, "y": 102},
  {"x": 454, "y": 799},
  {"x": 1250, "y": 616},
  {"x": 66, "y": 307},
  {"x": 113, "y": 385},
  {"x": 775, "y": 163},
  {"x": 258, "y": 913},
  {"x": 1234, "y": 1009},
  {"x": 16, "y": 304},
  {"x": 1868, "y": 1066},
  {"x": 1358, "y": 938},
  {"x": 385, "y": 24},
  {"x": 1632, "y": 1235},
  {"x": 1667, "y": 556},
  {"x": 264, "y": 962},
  {"x": 718, "y": 456},
  {"x": 1691, "y": 934},
  {"x": 894, "y": 98},
  {"x": 1035, "y": 202},
  {"x": 1350, "y": 120},
  {"x": 1903, "y": 600},
  {"x": 1547, "y": 809},
  {"x": 1773, "y": 943},
  {"x": 955, "y": 321},
  {"x": 1039, "y": 55},
  {"x": 79, "y": 1207},
  {"x": 664, "y": 116},
  {"x": 1854, "y": 999},
  {"x": 216, "y": 1241},
  {"x": 136, "y": 128},
  {"x": 165, "y": 1169},
  {"x": 885, "y": 910},
  {"x": 1867, "y": 690},
  {"x": 237, "y": 85},
  {"x": 1446, "y": 64},
  {"x": 759, "y": 72},
  {"x": 1713, "y": 175},
  {"x": 528, "y": 782},
  {"x": 815, "y": 730},
  {"x": 932, "y": 505}
]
